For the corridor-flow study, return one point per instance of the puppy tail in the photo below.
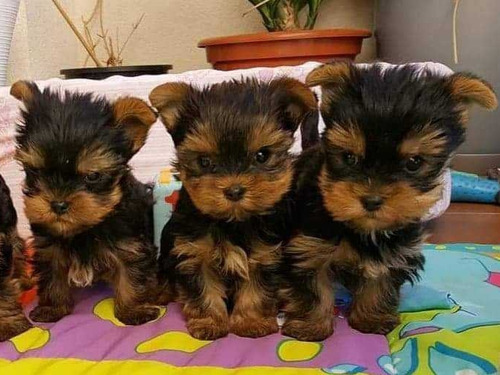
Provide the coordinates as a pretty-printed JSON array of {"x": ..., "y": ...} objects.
[{"x": 309, "y": 130}]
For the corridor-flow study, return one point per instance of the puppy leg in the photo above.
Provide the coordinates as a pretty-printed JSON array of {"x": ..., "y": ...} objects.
[
  {"x": 374, "y": 306},
  {"x": 135, "y": 283},
  {"x": 12, "y": 319},
  {"x": 255, "y": 303},
  {"x": 51, "y": 269},
  {"x": 309, "y": 303},
  {"x": 308, "y": 289},
  {"x": 255, "y": 310},
  {"x": 204, "y": 306},
  {"x": 200, "y": 288}
]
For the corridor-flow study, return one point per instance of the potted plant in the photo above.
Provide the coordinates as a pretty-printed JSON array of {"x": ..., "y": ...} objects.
[
  {"x": 102, "y": 41},
  {"x": 288, "y": 42}
]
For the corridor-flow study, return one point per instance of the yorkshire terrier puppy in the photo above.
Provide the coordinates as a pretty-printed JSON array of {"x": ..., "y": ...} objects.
[
  {"x": 362, "y": 192},
  {"x": 13, "y": 277},
  {"x": 221, "y": 249},
  {"x": 91, "y": 219}
]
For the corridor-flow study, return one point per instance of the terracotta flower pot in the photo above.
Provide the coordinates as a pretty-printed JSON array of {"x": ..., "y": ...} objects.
[{"x": 283, "y": 48}]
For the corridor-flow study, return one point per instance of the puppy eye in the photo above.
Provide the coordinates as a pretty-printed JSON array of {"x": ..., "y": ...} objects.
[
  {"x": 204, "y": 162},
  {"x": 93, "y": 177},
  {"x": 349, "y": 159},
  {"x": 262, "y": 155},
  {"x": 414, "y": 163}
]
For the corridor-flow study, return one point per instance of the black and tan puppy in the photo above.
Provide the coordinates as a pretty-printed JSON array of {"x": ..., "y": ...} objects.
[
  {"x": 13, "y": 278},
  {"x": 221, "y": 249},
  {"x": 362, "y": 193},
  {"x": 91, "y": 219}
]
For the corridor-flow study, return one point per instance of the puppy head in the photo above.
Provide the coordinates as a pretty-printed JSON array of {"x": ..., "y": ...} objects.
[
  {"x": 389, "y": 135},
  {"x": 74, "y": 150},
  {"x": 233, "y": 140}
]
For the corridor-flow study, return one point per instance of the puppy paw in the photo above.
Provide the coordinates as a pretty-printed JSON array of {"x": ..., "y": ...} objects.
[
  {"x": 12, "y": 327},
  {"x": 48, "y": 314},
  {"x": 305, "y": 330},
  {"x": 379, "y": 324},
  {"x": 137, "y": 315},
  {"x": 207, "y": 328},
  {"x": 253, "y": 327}
]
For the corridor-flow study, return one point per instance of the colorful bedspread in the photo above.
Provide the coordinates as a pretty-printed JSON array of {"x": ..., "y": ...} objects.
[{"x": 450, "y": 325}]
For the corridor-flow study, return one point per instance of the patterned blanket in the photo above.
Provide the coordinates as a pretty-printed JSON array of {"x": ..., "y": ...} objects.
[{"x": 450, "y": 325}]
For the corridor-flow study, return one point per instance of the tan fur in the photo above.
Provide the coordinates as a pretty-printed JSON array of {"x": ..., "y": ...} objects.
[
  {"x": 267, "y": 134},
  {"x": 201, "y": 140},
  {"x": 207, "y": 317},
  {"x": 168, "y": 99},
  {"x": 80, "y": 275},
  {"x": 21, "y": 91},
  {"x": 254, "y": 313},
  {"x": 85, "y": 210},
  {"x": 233, "y": 260},
  {"x": 264, "y": 254},
  {"x": 429, "y": 141},
  {"x": 403, "y": 204},
  {"x": 349, "y": 138},
  {"x": 317, "y": 256},
  {"x": 302, "y": 100},
  {"x": 372, "y": 310},
  {"x": 262, "y": 192},
  {"x": 472, "y": 90},
  {"x": 31, "y": 157},
  {"x": 333, "y": 74},
  {"x": 95, "y": 159},
  {"x": 135, "y": 117},
  {"x": 109, "y": 264}
]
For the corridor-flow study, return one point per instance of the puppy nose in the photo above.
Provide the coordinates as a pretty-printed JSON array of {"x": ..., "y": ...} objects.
[
  {"x": 60, "y": 207},
  {"x": 372, "y": 202},
  {"x": 234, "y": 193}
]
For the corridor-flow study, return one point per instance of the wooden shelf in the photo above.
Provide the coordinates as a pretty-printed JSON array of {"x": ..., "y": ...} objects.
[{"x": 467, "y": 222}]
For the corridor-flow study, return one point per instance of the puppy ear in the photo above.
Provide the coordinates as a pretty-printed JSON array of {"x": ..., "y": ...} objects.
[
  {"x": 295, "y": 100},
  {"x": 24, "y": 91},
  {"x": 330, "y": 74},
  {"x": 135, "y": 117},
  {"x": 169, "y": 100},
  {"x": 470, "y": 89}
]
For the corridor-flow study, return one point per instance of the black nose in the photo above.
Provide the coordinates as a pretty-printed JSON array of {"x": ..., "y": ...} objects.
[
  {"x": 372, "y": 202},
  {"x": 234, "y": 193},
  {"x": 60, "y": 207}
]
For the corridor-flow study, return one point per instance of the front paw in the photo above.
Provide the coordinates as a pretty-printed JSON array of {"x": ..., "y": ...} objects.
[
  {"x": 135, "y": 316},
  {"x": 49, "y": 314},
  {"x": 207, "y": 328},
  {"x": 10, "y": 328},
  {"x": 380, "y": 324},
  {"x": 253, "y": 327},
  {"x": 306, "y": 330}
]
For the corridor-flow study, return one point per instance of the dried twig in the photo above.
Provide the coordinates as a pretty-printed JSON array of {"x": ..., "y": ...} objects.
[
  {"x": 134, "y": 28},
  {"x": 76, "y": 32}
]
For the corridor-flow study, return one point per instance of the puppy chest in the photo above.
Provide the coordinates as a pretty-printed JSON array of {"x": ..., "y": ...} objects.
[
  {"x": 230, "y": 260},
  {"x": 85, "y": 272}
]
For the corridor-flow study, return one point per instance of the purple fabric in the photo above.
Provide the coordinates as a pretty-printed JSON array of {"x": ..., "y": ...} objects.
[{"x": 84, "y": 335}]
